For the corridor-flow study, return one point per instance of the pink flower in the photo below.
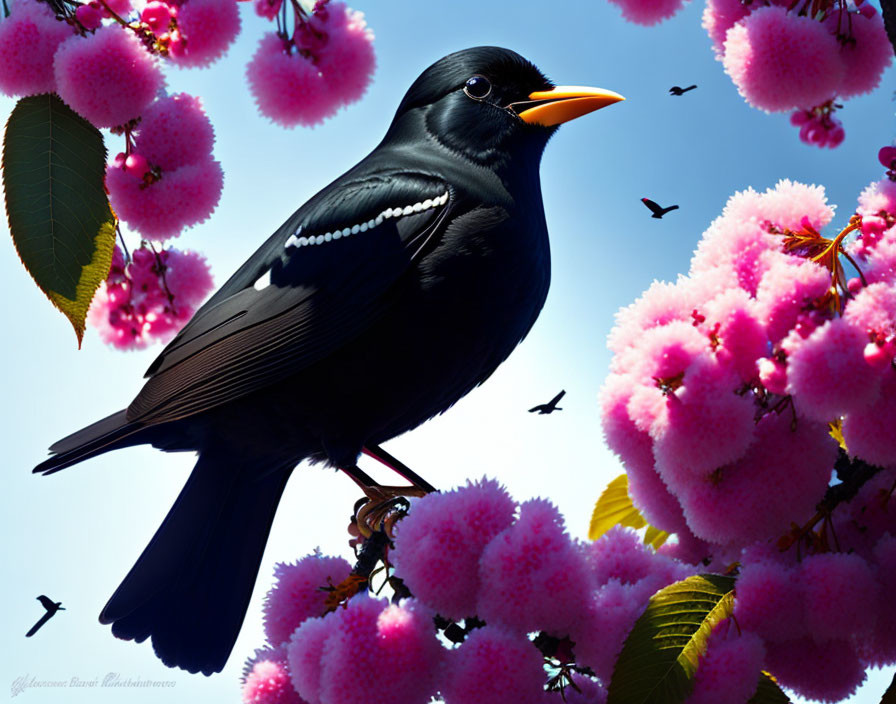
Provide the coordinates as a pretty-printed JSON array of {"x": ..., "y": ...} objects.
[
  {"x": 779, "y": 480},
  {"x": 267, "y": 679},
  {"x": 267, "y": 8},
  {"x": 868, "y": 430},
  {"x": 438, "y": 545},
  {"x": 729, "y": 669},
  {"x": 770, "y": 600},
  {"x": 780, "y": 61},
  {"x": 828, "y": 672},
  {"x": 493, "y": 666},
  {"x": 370, "y": 646},
  {"x": 346, "y": 60},
  {"x": 300, "y": 593},
  {"x": 29, "y": 38},
  {"x": 864, "y": 50},
  {"x": 208, "y": 28},
  {"x": 288, "y": 87},
  {"x": 162, "y": 208},
  {"x": 107, "y": 77},
  {"x": 648, "y": 12},
  {"x": 532, "y": 576},
  {"x": 175, "y": 131},
  {"x": 721, "y": 15},
  {"x": 840, "y": 596}
]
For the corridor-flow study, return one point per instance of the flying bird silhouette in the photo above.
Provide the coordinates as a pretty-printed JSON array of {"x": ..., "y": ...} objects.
[
  {"x": 550, "y": 406},
  {"x": 52, "y": 607},
  {"x": 657, "y": 211},
  {"x": 378, "y": 304},
  {"x": 677, "y": 90}
]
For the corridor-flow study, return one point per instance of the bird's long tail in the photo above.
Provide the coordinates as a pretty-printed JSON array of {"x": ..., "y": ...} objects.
[
  {"x": 190, "y": 588},
  {"x": 110, "y": 433}
]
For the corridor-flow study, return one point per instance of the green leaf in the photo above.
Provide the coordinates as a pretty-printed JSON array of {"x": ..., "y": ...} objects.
[
  {"x": 615, "y": 508},
  {"x": 59, "y": 215},
  {"x": 659, "y": 659},
  {"x": 768, "y": 691}
]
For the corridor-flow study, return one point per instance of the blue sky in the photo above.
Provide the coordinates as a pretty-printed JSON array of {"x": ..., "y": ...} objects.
[{"x": 74, "y": 535}]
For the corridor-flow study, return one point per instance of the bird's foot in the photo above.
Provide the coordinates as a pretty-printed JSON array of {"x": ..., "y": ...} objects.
[{"x": 380, "y": 508}]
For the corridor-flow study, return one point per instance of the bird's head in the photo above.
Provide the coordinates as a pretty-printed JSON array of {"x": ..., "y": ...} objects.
[{"x": 490, "y": 103}]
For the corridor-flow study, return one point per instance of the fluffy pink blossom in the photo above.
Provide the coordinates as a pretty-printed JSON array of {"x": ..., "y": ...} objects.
[
  {"x": 267, "y": 8},
  {"x": 288, "y": 87},
  {"x": 208, "y": 28},
  {"x": 878, "y": 198},
  {"x": 157, "y": 15},
  {"x": 840, "y": 596},
  {"x": 89, "y": 15},
  {"x": 493, "y": 666},
  {"x": 29, "y": 38},
  {"x": 719, "y": 16},
  {"x": 174, "y": 131},
  {"x": 604, "y": 624},
  {"x": 828, "y": 672},
  {"x": 770, "y": 600},
  {"x": 377, "y": 647},
  {"x": 779, "y": 480},
  {"x": 587, "y": 690},
  {"x": 735, "y": 332},
  {"x": 149, "y": 298},
  {"x": 620, "y": 554},
  {"x": 780, "y": 61},
  {"x": 300, "y": 593},
  {"x": 347, "y": 59},
  {"x": 267, "y": 679},
  {"x": 107, "y": 77},
  {"x": 868, "y": 430},
  {"x": 162, "y": 208},
  {"x": 789, "y": 287},
  {"x": 648, "y": 12},
  {"x": 865, "y": 50},
  {"x": 438, "y": 545},
  {"x": 532, "y": 576},
  {"x": 828, "y": 374},
  {"x": 790, "y": 204},
  {"x": 729, "y": 669},
  {"x": 304, "y": 655}
]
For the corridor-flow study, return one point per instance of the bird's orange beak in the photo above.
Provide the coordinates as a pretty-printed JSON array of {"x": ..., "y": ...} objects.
[{"x": 563, "y": 103}]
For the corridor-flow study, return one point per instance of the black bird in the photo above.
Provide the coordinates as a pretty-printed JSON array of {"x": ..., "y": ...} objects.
[
  {"x": 378, "y": 304},
  {"x": 677, "y": 90},
  {"x": 550, "y": 406},
  {"x": 655, "y": 208},
  {"x": 52, "y": 607}
]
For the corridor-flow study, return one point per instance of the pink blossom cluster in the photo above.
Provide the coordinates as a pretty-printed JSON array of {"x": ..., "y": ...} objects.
[
  {"x": 326, "y": 62},
  {"x": 469, "y": 556},
  {"x": 782, "y": 58},
  {"x": 648, "y": 12},
  {"x": 168, "y": 179},
  {"x": 101, "y": 57},
  {"x": 724, "y": 383},
  {"x": 824, "y": 618},
  {"x": 149, "y": 296}
]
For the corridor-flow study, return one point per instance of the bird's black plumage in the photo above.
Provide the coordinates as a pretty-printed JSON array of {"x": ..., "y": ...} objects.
[
  {"x": 550, "y": 406},
  {"x": 318, "y": 349},
  {"x": 52, "y": 607},
  {"x": 678, "y": 90},
  {"x": 657, "y": 210}
]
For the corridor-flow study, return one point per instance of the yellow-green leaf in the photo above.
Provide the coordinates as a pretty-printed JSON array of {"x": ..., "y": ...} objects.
[
  {"x": 615, "y": 508},
  {"x": 59, "y": 216},
  {"x": 660, "y": 656}
]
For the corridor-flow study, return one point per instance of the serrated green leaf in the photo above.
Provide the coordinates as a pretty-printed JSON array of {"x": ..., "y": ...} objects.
[
  {"x": 660, "y": 656},
  {"x": 59, "y": 216},
  {"x": 768, "y": 691}
]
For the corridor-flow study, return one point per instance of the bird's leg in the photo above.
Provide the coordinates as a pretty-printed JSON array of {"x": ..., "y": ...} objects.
[
  {"x": 397, "y": 466},
  {"x": 381, "y": 506}
]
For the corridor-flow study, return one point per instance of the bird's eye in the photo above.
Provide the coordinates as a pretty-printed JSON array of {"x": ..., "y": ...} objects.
[{"x": 478, "y": 87}]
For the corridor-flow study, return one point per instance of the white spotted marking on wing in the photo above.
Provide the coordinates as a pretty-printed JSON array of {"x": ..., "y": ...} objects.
[
  {"x": 263, "y": 281},
  {"x": 296, "y": 241}
]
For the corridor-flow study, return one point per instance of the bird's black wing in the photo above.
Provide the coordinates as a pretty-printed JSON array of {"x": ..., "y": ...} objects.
[
  {"x": 654, "y": 207},
  {"x": 554, "y": 401},
  {"x": 36, "y": 627},
  {"x": 292, "y": 303},
  {"x": 47, "y": 602},
  {"x": 539, "y": 407}
]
